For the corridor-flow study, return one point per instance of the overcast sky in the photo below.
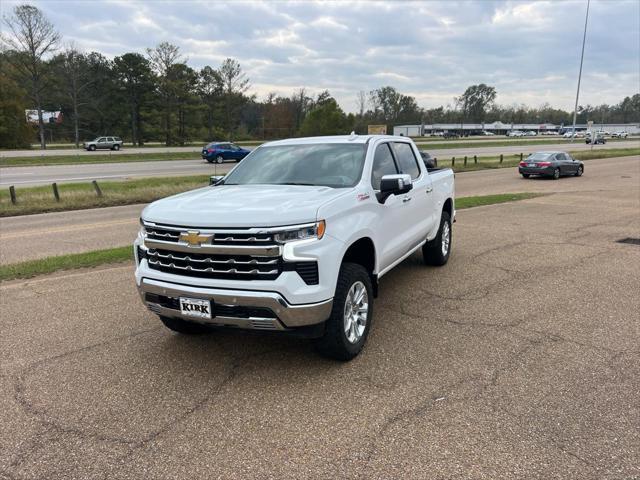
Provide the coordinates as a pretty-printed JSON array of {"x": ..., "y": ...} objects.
[{"x": 530, "y": 51}]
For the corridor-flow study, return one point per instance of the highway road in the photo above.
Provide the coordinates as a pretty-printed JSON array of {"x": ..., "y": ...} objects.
[
  {"x": 163, "y": 149},
  {"x": 37, "y": 236},
  {"x": 519, "y": 359},
  {"x": 38, "y": 175}
]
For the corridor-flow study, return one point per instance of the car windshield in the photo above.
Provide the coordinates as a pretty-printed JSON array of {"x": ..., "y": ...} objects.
[
  {"x": 539, "y": 156},
  {"x": 337, "y": 165}
]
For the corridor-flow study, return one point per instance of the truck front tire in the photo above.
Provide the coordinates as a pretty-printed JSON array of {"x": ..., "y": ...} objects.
[
  {"x": 182, "y": 326},
  {"x": 347, "y": 328},
  {"x": 437, "y": 251}
]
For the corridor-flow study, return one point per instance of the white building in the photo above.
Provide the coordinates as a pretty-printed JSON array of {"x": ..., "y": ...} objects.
[{"x": 501, "y": 128}]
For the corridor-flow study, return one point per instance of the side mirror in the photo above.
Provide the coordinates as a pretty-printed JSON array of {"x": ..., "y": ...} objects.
[
  {"x": 394, "y": 185},
  {"x": 215, "y": 179}
]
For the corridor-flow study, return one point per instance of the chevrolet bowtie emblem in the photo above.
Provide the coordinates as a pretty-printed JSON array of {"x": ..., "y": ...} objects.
[{"x": 194, "y": 239}]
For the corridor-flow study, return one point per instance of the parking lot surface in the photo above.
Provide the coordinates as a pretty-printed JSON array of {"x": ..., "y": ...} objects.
[{"x": 518, "y": 359}]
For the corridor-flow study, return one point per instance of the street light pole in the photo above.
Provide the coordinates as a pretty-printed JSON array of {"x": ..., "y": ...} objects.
[{"x": 584, "y": 38}]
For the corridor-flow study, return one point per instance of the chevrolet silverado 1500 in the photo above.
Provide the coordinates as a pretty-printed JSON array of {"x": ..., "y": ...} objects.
[{"x": 295, "y": 239}]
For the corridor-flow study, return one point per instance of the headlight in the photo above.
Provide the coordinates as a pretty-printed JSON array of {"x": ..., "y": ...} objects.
[
  {"x": 314, "y": 230},
  {"x": 143, "y": 231}
]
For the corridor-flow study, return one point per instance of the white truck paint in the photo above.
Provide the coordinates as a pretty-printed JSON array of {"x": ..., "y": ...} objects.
[{"x": 297, "y": 258}]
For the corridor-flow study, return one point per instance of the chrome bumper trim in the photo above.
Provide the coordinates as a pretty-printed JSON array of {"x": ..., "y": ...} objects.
[
  {"x": 266, "y": 251},
  {"x": 291, "y": 316},
  {"x": 251, "y": 323}
]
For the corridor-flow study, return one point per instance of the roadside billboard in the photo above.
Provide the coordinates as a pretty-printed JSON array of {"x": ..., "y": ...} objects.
[
  {"x": 377, "y": 129},
  {"x": 47, "y": 117}
]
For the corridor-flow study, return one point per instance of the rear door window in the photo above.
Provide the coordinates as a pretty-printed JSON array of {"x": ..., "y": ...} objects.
[
  {"x": 383, "y": 164},
  {"x": 407, "y": 162}
]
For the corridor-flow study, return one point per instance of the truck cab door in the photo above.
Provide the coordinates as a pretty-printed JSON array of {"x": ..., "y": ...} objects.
[
  {"x": 421, "y": 207},
  {"x": 393, "y": 230}
]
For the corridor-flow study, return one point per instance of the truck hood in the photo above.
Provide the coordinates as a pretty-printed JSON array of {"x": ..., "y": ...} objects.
[{"x": 242, "y": 206}]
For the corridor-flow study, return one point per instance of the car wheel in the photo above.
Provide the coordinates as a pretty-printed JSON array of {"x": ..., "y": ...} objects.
[
  {"x": 556, "y": 174},
  {"x": 116, "y": 147},
  {"x": 347, "y": 328},
  {"x": 219, "y": 159},
  {"x": 580, "y": 171},
  {"x": 92, "y": 148},
  {"x": 437, "y": 251},
  {"x": 183, "y": 326},
  {"x": 525, "y": 175}
]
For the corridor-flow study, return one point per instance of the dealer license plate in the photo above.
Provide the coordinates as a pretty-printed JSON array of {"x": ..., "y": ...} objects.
[{"x": 195, "y": 307}]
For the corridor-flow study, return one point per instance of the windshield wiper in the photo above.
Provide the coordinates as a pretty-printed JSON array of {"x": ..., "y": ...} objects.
[{"x": 297, "y": 183}]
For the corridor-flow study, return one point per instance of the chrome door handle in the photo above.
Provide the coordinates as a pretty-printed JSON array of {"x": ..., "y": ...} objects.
[
  {"x": 406, "y": 199},
  {"x": 429, "y": 189}
]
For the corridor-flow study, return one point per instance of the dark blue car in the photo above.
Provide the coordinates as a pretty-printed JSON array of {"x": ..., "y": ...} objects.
[{"x": 223, "y": 151}]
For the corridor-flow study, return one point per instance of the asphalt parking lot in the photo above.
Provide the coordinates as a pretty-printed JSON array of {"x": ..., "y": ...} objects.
[{"x": 518, "y": 359}]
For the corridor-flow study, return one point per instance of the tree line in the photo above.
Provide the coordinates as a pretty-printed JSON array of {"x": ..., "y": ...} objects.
[{"x": 158, "y": 97}]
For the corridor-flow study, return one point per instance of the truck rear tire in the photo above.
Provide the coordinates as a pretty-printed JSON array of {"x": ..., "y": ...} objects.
[
  {"x": 437, "y": 251},
  {"x": 347, "y": 328},
  {"x": 183, "y": 326}
]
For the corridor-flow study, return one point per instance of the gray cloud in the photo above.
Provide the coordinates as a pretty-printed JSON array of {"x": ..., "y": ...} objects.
[{"x": 433, "y": 50}]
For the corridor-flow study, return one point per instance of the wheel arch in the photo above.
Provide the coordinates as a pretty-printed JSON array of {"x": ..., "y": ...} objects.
[
  {"x": 363, "y": 252},
  {"x": 448, "y": 207}
]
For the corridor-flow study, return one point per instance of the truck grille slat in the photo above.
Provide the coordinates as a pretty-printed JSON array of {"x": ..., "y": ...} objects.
[
  {"x": 214, "y": 266},
  {"x": 232, "y": 261},
  {"x": 172, "y": 234}
]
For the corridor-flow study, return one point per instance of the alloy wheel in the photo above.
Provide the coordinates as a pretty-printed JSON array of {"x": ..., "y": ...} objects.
[{"x": 356, "y": 310}]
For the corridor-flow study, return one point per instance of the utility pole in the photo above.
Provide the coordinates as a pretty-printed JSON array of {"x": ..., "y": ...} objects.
[{"x": 584, "y": 38}]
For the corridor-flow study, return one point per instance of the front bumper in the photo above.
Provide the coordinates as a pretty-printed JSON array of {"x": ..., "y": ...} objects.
[{"x": 237, "y": 306}]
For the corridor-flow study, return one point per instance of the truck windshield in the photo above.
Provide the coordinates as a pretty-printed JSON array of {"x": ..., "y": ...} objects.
[{"x": 336, "y": 165}]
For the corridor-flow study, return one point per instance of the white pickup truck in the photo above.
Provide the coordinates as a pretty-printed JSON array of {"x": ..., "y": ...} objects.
[{"x": 295, "y": 239}]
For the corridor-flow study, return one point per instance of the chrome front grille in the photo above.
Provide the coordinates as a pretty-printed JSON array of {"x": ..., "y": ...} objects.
[
  {"x": 231, "y": 254},
  {"x": 214, "y": 266}
]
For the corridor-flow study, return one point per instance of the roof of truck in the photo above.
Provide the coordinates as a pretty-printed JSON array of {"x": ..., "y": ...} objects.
[{"x": 334, "y": 139}]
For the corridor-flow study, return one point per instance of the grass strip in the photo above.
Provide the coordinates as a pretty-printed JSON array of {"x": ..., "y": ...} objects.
[
  {"x": 65, "y": 262},
  {"x": 78, "y": 196},
  {"x": 481, "y": 200},
  {"x": 96, "y": 258},
  {"x": 41, "y": 160}
]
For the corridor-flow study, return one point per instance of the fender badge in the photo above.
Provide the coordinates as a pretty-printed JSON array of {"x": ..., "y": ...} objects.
[{"x": 363, "y": 196}]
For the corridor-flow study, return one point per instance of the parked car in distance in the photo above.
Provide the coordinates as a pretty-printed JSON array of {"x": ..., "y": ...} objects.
[
  {"x": 576, "y": 134},
  {"x": 549, "y": 132},
  {"x": 103, "y": 143},
  {"x": 596, "y": 139},
  {"x": 550, "y": 164},
  {"x": 450, "y": 135},
  {"x": 515, "y": 133},
  {"x": 531, "y": 133},
  {"x": 295, "y": 239},
  {"x": 619, "y": 135},
  {"x": 219, "y": 152},
  {"x": 487, "y": 133}
]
